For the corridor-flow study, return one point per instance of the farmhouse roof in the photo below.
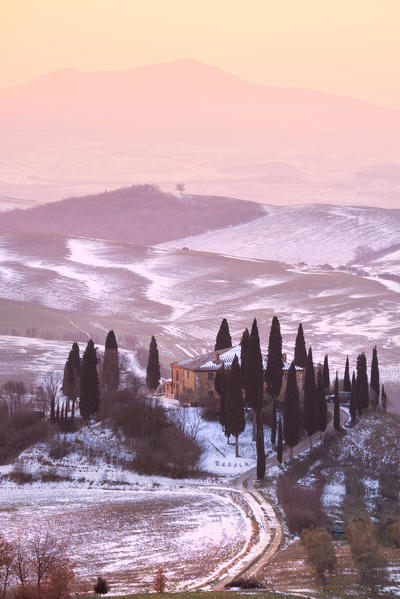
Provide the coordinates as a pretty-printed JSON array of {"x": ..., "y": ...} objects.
[{"x": 215, "y": 359}]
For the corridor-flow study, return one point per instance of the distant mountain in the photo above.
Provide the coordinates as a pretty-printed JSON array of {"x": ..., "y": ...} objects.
[
  {"x": 76, "y": 133},
  {"x": 141, "y": 214},
  {"x": 188, "y": 101}
]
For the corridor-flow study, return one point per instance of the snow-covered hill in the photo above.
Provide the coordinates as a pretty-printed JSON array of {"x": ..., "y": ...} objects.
[{"x": 314, "y": 234}]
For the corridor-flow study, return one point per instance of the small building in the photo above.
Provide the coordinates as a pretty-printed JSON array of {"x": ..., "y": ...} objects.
[{"x": 193, "y": 379}]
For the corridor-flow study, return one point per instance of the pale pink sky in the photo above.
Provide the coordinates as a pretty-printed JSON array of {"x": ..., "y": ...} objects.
[{"x": 349, "y": 47}]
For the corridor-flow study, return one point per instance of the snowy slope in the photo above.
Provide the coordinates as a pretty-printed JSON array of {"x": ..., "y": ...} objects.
[{"x": 314, "y": 234}]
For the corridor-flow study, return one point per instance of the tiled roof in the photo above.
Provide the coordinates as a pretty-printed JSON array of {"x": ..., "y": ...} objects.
[{"x": 226, "y": 357}]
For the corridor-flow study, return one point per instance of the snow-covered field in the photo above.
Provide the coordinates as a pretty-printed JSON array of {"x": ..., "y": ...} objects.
[{"x": 81, "y": 287}]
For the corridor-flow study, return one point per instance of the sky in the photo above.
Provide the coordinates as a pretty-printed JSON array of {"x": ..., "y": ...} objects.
[{"x": 348, "y": 47}]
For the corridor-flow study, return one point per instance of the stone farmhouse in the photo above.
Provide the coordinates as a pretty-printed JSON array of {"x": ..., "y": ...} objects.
[{"x": 192, "y": 381}]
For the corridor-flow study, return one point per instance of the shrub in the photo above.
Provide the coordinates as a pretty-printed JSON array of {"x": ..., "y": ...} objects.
[
  {"x": 210, "y": 413},
  {"x": 159, "y": 581},
  {"x": 59, "y": 449},
  {"x": 367, "y": 555},
  {"x": 101, "y": 587},
  {"x": 20, "y": 476},
  {"x": 320, "y": 551},
  {"x": 302, "y": 505},
  {"x": 245, "y": 583},
  {"x": 19, "y": 431}
]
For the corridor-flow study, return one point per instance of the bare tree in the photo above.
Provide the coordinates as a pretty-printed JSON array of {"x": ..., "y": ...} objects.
[
  {"x": 21, "y": 563},
  {"x": 180, "y": 188},
  {"x": 51, "y": 385},
  {"x": 12, "y": 393},
  {"x": 7, "y": 556},
  {"x": 47, "y": 552}
]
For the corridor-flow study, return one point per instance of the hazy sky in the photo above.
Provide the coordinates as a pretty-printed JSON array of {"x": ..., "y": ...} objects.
[{"x": 349, "y": 47}]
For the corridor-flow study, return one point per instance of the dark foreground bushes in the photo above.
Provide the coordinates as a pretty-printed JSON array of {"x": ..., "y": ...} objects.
[
  {"x": 19, "y": 431},
  {"x": 161, "y": 446},
  {"x": 302, "y": 505}
]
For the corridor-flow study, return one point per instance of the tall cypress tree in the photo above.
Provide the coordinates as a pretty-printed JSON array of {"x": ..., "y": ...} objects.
[
  {"x": 89, "y": 391},
  {"x": 291, "y": 411},
  {"x": 244, "y": 348},
  {"x": 71, "y": 379},
  {"x": 221, "y": 387},
  {"x": 235, "y": 415},
  {"x": 346, "y": 380},
  {"x": 109, "y": 379},
  {"x": 279, "y": 453},
  {"x": 321, "y": 402},
  {"x": 384, "y": 399},
  {"x": 310, "y": 399},
  {"x": 153, "y": 366},
  {"x": 274, "y": 371},
  {"x": 300, "y": 352},
  {"x": 223, "y": 339},
  {"x": 325, "y": 372},
  {"x": 273, "y": 422},
  {"x": 254, "y": 393},
  {"x": 362, "y": 384},
  {"x": 336, "y": 409},
  {"x": 353, "y": 399},
  {"x": 375, "y": 378}
]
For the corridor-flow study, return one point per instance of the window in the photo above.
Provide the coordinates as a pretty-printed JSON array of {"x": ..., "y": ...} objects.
[{"x": 210, "y": 376}]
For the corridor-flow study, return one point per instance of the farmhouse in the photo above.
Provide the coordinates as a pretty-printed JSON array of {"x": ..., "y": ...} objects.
[{"x": 192, "y": 381}]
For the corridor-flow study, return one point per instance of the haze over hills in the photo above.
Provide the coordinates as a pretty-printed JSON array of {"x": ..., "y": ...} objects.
[{"x": 71, "y": 133}]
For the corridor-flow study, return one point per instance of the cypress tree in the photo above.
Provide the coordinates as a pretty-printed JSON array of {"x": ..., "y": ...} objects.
[
  {"x": 375, "y": 378},
  {"x": 274, "y": 371},
  {"x": 235, "y": 416},
  {"x": 384, "y": 399},
  {"x": 279, "y": 452},
  {"x": 300, "y": 352},
  {"x": 291, "y": 411},
  {"x": 223, "y": 339},
  {"x": 153, "y": 366},
  {"x": 336, "y": 409},
  {"x": 273, "y": 423},
  {"x": 89, "y": 391},
  {"x": 244, "y": 348},
  {"x": 321, "y": 401},
  {"x": 310, "y": 399},
  {"x": 346, "y": 380},
  {"x": 327, "y": 382},
  {"x": 220, "y": 385},
  {"x": 353, "y": 399},
  {"x": 255, "y": 392},
  {"x": 110, "y": 371},
  {"x": 362, "y": 384},
  {"x": 71, "y": 379}
]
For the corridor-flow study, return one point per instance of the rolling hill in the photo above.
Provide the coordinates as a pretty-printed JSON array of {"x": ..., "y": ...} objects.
[{"x": 141, "y": 214}]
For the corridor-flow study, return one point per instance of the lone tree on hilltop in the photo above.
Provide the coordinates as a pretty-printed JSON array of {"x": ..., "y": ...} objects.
[
  {"x": 101, "y": 587},
  {"x": 71, "y": 379},
  {"x": 89, "y": 391},
  {"x": 310, "y": 399},
  {"x": 336, "y": 409},
  {"x": 110, "y": 371},
  {"x": 362, "y": 384},
  {"x": 255, "y": 392},
  {"x": 244, "y": 348},
  {"x": 346, "y": 380},
  {"x": 153, "y": 366},
  {"x": 353, "y": 399},
  {"x": 300, "y": 352},
  {"x": 327, "y": 382},
  {"x": 375, "y": 378},
  {"x": 224, "y": 338},
  {"x": 235, "y": 413},
  {"x": 321, "y": 403},
  {"x": 291, "y": 411}
]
